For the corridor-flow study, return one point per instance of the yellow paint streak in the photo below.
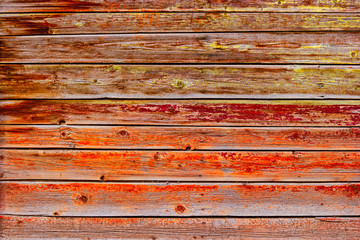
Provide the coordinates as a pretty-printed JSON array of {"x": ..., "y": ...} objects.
[
  {"x": 217, "y": 45},
  {"x": 79, "y": 24},
  {"x": 313, "y": 46}
]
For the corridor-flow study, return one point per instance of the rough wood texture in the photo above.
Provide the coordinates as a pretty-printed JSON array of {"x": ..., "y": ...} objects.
[
  {"x": 120, "y": 137},
  {"x": 180, "y": 5},
  {"x": 184, "y": 48},
  {"x": 66, "y": 23},
  {"x": 185, "y": 112},
  {"x": 113, "y": 199},
  {"x": 179, "y": 166},
  {"x": 18, "y": 227},
  {"x": 119, "y": 81},
  {"x": 265, "y": 92}
]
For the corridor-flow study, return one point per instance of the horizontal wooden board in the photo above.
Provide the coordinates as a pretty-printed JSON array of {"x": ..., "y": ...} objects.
[
  {"x": 250, "y": 47},
  {"x": 183, "y": 112},
  {"x": 122, "y": 137},
  {"x": 179, "y": 166},
  {"x": 81, "y": 23},
  {"x": 19, "y": 227},
  {"x": 140, "y": 199},
  {"x": 179, "y": 5},
  {"x": 123, "y": 81}
]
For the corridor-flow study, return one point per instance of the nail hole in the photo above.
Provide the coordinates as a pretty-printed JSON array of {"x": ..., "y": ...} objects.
[
  {"x": 83, "y": 198},
  {"x": 180, "y": 84},
  {"x": 102, "y": 178},
  {"x": 123, "y": 133},
  {"x": 156, "y": 156},
  {"x": 56, "y": 214},
  {"x": 95, "y": 81},
  {"x": 353, "y": 54},
  {"x": 180, "y": 208},
  {"x": 64, "y": 134},
  {"x": 188, "y": 148},
  {"x": 320, "y": 85}
]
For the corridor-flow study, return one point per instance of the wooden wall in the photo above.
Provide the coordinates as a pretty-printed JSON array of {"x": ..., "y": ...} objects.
[{"x": 180, "y": 119}]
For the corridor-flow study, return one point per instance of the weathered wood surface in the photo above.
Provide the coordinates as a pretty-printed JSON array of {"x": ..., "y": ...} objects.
[
  {"x": 179, "y": 166},
  {"x": 80, "y": 23},
  {"x": 20, "y": 227},
  {"x": 250, "y": 47},
  {"x": 140, "y": 199},
  {"x": 123, "y": 81},
  {"x": 183, "y": 112},
  {"x": 207, "y": 138},
  {"x": 78, "y": 167},
  {"x": 179, "y": 5}
]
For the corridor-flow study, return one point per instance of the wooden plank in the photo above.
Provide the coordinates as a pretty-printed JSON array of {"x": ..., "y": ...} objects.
[
  {"x": 179, "y": 5},
  {"x": 81, "y": 23},
  {"x": 19, "y": 227},
  {"x": 207, "y": 138},
  {"x": 249, "y": 47},
  {"x": 123, "y": 81},
  {"x": 115, "y": 199},
  {"x": 183, "y": 112},
  {"x": 179, "y": 166}
]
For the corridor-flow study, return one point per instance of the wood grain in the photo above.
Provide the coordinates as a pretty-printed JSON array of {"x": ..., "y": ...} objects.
[
  {"x": 317, "y": 48},
  {"x": 179, "y": 166},
  {"x": 18, "y": 227},
  {"x": 179, "y": 5},
  {"x": 207, "y": 138},
  {"x": 185, "y": 112},
  {"x": 134, "y": 81},
  {"x": 81, "y": 23},
  {"x": 115, "y": 199}
]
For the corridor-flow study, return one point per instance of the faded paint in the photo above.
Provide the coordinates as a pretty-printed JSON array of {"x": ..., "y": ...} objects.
[{"x": 186, "y": 112}]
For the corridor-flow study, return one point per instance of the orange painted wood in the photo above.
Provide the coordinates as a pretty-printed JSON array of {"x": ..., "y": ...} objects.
[
  {"x": 80, "y": 23},
  {"x": 227, "y": 138},
  {"x": 179, "y": 5},
  {"x": 19, "y": 227},
  {"x": 185, "y": 112},
  {"x": 140, "y": 199},
  {"x": 179, "y": 166},
  {"x": 123, "y": 81},
  {"x": 265, "y": 93},
  {"x": 314, "y": 48}
]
